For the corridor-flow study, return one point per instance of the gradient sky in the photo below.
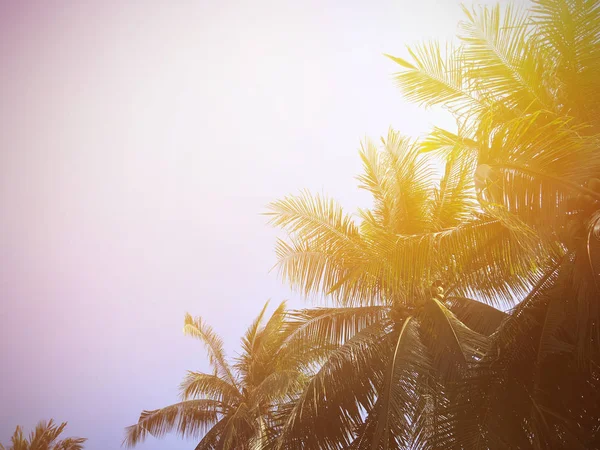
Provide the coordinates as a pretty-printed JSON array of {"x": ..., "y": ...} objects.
[{"x": 139, "y": 141}]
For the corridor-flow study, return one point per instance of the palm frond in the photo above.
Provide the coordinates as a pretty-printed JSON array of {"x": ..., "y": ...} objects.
[
  {"x": 503, "y": 62},
  {"x": 436, "y": 77},
  {"x": 329, "y": 408},
  {"x": 211, "y": 440},
  {"x": 197, "y": 384},
  {"x": 195, "y": 327},
  {"x": 191, "y": 418},
  {"x": 394, "y": 408}
]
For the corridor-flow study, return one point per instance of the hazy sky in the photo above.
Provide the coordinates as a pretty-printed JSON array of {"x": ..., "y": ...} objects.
[{"x": 139, "y": 141}]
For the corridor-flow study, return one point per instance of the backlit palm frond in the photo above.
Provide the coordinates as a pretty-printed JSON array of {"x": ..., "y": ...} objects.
[
  {"x": 534, "y": 166},
  {"x": 191, "y": 418},
  {"x": 311, "y": 268},
  {"x": 455, "y": 202},
  {"x": 447, "y": 144},
  {"x": 570, "y": 30},
  {"x": 438, "y": 77},
  {"x": 408, "y": 185},
  {"x": 375, "y": 179},
  {"x": 195, "y": 327},
  {"x": 503, "y": 61}
]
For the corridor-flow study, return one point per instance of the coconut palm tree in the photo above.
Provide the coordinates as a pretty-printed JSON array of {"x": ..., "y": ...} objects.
[
  {"x": 524, "y": 88},
  {"x": 406, "y": 326},
  {"x": 235, "y": 406},
  {"x": 44, "y": 437}
]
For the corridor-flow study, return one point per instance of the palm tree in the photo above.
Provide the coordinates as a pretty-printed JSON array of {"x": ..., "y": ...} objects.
[
  {"x": 44, "y": 437},
  {"x": 235, "y": 406},
  {"x": 524, "y": 87},
  {"x": 407, "y": 326}
]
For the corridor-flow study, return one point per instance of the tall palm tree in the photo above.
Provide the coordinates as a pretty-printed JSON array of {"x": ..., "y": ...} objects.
[
  {"x": 406, "y": 326},
  {"x": 44, "y": 437},
  {"x": 524, "y": 87},
  {"x": 235, "y": 406}
]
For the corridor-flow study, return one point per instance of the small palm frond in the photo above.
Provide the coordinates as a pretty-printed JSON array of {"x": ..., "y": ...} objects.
[
  {"x": 45, "y": 434},
  {"x": 70, "y": 444},
  {"x": 18, "y": 440}
]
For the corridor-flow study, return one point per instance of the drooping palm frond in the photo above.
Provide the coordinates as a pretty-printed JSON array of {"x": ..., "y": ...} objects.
[
  {"x": 331, "y": 326},
  {"x": 190, "y": 418},
  {"x": 394, "y": 408},
  {"x": 329, "y": 408}
]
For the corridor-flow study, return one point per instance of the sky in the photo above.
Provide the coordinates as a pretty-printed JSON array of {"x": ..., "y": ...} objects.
[{"x": 140, "y": 141}]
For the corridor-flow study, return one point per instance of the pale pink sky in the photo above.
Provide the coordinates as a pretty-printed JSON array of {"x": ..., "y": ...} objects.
[{"x": 139, "y": 141}]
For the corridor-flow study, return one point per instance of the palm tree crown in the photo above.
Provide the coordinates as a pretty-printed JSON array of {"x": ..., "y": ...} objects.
[
  {"x": 44, "y": 437},
  {"x": 235, "y": 406}
]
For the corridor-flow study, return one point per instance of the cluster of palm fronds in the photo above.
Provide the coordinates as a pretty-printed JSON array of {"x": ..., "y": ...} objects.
[
  {"x": 44, "y": 437},
  {"x": 416, "y": 351}
]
